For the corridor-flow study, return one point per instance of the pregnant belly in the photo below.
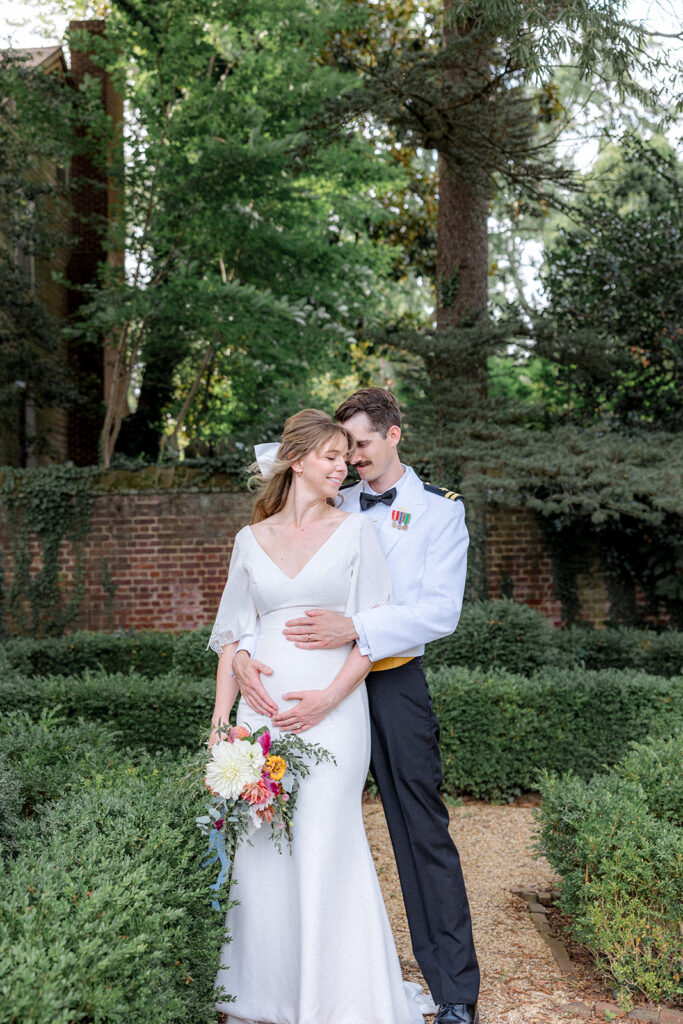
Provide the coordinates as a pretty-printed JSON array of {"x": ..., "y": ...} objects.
[
  {"x": 345, "y": 729},
  {"x": 295, "y": 668}
]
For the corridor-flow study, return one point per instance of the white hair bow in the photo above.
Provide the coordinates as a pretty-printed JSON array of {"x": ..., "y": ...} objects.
[{"x": 266, "y": 455}]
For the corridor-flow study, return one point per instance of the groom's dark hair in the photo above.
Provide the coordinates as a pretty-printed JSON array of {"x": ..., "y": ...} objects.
[{"x": 379, "y": 405}]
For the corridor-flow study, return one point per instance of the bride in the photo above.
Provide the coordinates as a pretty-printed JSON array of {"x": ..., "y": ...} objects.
[{"x": 310, "y": 939}]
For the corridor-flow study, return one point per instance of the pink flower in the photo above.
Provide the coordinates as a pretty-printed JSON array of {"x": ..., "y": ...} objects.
[
  {"x": 259, "y": 793},
  {"x": 264, "y": 740}
]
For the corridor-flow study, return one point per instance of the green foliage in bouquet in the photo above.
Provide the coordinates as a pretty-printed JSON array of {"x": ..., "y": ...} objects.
[
  {"x": 254, "y": 781},
  {"x": 617, "y": 842}
]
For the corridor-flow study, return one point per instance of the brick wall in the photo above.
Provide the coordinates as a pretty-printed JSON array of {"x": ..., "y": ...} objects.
[
  {"x": 520, "y": 566},
  {"x": 166, "y": 552}
]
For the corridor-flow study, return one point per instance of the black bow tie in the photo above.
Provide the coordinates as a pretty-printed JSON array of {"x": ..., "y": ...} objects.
[{"x": 368, "y": 500}]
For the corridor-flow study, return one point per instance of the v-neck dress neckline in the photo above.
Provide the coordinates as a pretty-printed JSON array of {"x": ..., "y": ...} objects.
[{"x": 306, "y": 564}]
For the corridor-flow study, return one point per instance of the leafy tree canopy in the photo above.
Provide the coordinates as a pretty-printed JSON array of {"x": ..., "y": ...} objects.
[
  {"x": 614, "y": 281},
  {"x": 251, "y": 272}
]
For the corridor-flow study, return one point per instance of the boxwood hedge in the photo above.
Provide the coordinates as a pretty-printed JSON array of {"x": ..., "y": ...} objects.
[
  {"x": 105, "y": 910},
  {"x": 508, "y": 635},
  {"x": 491, "y": 634},
  {"x": 617, "y": 842},
  {"x": 498, "y": 729}
]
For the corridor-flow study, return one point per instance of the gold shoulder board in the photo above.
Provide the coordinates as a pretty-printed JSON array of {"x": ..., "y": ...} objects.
[{"x": 444, "y": 492}]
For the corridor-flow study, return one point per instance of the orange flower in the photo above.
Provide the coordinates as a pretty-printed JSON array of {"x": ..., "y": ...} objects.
[
  {"x": 239, "y": 733},
  {"x": 276, "y": 767}
]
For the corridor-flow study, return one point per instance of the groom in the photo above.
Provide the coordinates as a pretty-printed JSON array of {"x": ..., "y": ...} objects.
[{"x": 423, "y": 535}]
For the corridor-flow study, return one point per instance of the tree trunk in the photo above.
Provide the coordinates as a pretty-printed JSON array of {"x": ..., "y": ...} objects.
[
  {"x": 457, "y": 369},
  {"x": 462, "y": 246},
  {"x": 462, "y": 249}
]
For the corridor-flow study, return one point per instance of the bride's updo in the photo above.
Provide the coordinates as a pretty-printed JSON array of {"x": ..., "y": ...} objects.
[{"x": 304, "y": 432}]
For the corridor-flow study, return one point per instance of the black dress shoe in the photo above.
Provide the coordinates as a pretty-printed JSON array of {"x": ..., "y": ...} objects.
[{"x": 457, "y": 1013}]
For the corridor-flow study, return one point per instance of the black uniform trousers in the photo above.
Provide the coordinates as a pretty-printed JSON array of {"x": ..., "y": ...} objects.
[{"x": 406, "y": 764}]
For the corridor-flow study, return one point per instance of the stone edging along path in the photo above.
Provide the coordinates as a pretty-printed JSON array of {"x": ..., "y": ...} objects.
[{"x": 537, "y": 905}]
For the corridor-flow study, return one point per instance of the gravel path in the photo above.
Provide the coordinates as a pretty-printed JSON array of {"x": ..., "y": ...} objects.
[{"x": 521, "y": 983}]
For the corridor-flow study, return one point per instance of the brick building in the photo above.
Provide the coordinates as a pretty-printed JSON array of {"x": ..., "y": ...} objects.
[{"x": 70, "y": 435}]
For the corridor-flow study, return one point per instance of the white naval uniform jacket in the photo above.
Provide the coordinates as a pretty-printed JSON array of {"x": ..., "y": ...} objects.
[{"x": 427, "y": 562}]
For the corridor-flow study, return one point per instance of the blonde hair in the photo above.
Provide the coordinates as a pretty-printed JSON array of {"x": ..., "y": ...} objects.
[{"x": 304, "y": 432}]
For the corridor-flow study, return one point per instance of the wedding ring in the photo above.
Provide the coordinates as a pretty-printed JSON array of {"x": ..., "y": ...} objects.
[
  {"x": 309, "y": 638},
  {"x": 298, "y": 725}
]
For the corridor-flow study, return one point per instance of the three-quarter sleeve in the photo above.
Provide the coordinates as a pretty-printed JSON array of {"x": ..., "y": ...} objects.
[
  {"x": 370, "y": 580},
  {"x": 237, "y": 612}
]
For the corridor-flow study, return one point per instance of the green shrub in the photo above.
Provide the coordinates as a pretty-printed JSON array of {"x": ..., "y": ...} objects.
[
  {"x": 498, "y": 730},
  {"x": 165, "y": 713},
  {"x": 10, "y": 808},
  {"x": 105, "y": 912},
  {"x": 661, "y": 654},
  {"x": 504, "y": 634},
  {"x": 491, "y": 634},
  {"x": 496, "y": 634},
  {"x": 46, "y": 755},
  {"x": 148, "y": 653},
  {"x": 190, "y": 656},
  {"x": 657, "y": 766},
  {"x": 622, "y": 873}
]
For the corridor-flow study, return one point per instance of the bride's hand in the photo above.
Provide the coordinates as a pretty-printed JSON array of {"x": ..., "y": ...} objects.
[
  {"x": 215, "y": 737},
  {"x": 248, "y": 675},
  {"x": 312, "y": 707}
]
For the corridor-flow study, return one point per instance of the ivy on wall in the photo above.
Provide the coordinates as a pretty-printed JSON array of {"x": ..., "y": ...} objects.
[
  {"x": 45, "y": 508},
  {"x": 48, "y": 507}
]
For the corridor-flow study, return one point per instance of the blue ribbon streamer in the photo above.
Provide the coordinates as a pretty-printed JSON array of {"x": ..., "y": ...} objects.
[{"x": 217, "y": 852}]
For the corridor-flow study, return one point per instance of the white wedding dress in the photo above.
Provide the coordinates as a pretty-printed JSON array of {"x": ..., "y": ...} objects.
[{"x": 310, "y": 939}]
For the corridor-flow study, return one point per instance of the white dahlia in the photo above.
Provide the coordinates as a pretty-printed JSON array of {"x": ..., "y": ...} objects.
[{"x": 233, "y": 766}]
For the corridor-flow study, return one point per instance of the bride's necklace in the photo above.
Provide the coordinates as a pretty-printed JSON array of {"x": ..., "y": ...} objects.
[{"x": 300, "y": 529}]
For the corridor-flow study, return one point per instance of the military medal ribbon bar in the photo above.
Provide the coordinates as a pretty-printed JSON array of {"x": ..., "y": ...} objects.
[{"x": 400, "y": 519}]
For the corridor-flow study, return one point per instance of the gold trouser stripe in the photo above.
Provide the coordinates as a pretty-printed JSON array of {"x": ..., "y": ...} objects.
[{"x": 385, "y": 663}]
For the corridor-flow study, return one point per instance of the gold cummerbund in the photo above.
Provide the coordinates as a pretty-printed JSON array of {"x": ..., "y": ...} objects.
[{"x": 385, "y": 663}]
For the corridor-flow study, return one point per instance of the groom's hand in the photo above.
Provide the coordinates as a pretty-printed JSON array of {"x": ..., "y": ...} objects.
[
  {"x": 248, "y": 675},
  {"x": 321, "y": 629}
]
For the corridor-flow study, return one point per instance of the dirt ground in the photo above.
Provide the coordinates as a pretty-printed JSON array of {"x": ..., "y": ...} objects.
[{"x": 521, "y": 983}]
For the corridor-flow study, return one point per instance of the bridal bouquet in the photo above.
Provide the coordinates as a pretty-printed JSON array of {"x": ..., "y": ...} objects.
[{"x": 254, "y": 781}]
